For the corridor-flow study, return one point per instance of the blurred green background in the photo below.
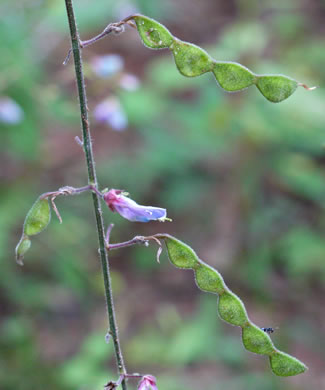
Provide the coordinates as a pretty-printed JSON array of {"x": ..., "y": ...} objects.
[{"x": 243, "y": 180}]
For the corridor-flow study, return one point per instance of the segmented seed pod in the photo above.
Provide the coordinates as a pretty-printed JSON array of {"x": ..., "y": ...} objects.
[
  {"x": 231, "y": 308},
  {"x": 208, "y": 279},
  {"x": 256, "y": 340},
  {"x": 276, "y": 88},
  {"x": 232, "y": 76},
  {"x": 38, "y": 217},
  {"x": 285, "y": 365},
  {"x": 180, "y": 254},
  {"x": 21, "y": 248},
  {"x": 153, "y": 34},
  {"x": 192, "y": 61}
]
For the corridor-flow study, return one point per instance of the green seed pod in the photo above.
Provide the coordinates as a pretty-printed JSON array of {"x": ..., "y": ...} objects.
[
  {"x": 231, "y": 309},
  {"x": 209, "y": 279},
  {"x": 283, "y": 364},
  {"x": 256, "y": 340},
  {"x": 276, "y": 88},
  {"x": 38, "y": 217},
  {"x": 180, "y": 254},
  {"x": 232, "y": 76},
  {"x": 21, "y": 248},
  {"x": 190, "y": 59},
  {"x": 152, "y": 33}
]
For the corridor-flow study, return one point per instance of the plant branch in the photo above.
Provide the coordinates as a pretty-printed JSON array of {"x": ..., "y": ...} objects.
[
  {"x": 144, "y": 240},
  {"x": 136, "y": 240},
  {"x": 92, "y": 181},
  {"x": 116, "y": 28}
]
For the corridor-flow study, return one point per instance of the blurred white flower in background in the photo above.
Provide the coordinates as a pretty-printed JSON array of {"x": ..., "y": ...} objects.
[
  {"x": 108, "y": 65},
  {"x": 129, "y": 82},
  {"x": 110, "y": 112},
  {"x": 10, "y": 112}
]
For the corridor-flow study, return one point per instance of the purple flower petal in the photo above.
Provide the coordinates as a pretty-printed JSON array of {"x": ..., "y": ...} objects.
[
  {"x": 130, "y": 210},
  {"x": 137, "y": 213}
]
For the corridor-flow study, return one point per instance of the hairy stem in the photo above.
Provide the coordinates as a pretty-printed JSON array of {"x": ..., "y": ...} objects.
[{"x": 92, "y": 180}]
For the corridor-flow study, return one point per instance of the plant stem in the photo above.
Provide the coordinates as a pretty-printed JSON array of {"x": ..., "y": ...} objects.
[{"x": 92, "y": 180}]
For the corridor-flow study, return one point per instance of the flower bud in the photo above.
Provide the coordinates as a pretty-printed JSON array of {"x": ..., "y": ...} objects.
[{"x": 147, "y": 382}]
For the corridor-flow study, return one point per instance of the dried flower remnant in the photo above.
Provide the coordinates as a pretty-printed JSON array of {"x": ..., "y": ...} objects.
[
  {"x": 111, "y": 386},
  {"x": 118, "y": 201},
  {"x": 148, "y": 382},
  {"x": 111, "y": 113}
]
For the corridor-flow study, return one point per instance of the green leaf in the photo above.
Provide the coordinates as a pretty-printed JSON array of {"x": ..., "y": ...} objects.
[
  {"x": 190, "y": 59},
  {"x": 276, "y": 88},
  {"x": 232, "y": 76},
  {"x": 38, "y": 217},
  {"x": 21, "y": 248},
  {"x": 285, "y": 365},
  {"x": 153, "y": 34}
]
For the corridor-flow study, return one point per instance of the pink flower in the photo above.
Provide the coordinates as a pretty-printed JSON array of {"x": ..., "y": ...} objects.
[
  {"x": 129, "y": 209},
  {"x": 147, "y": 382}
]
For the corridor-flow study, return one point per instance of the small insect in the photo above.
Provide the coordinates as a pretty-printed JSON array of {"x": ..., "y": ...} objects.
[{"x": 268, "y": 330}]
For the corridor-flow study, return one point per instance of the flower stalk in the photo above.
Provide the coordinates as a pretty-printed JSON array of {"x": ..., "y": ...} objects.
[{"x": 92, "y": 180}]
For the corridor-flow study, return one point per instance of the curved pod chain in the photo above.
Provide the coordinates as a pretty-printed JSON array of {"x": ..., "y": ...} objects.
[
  {"x": 230, "y": 307},
  {"x": 193, "y": 61}
]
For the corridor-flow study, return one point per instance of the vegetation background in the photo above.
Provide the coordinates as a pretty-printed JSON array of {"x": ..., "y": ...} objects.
[{"x": 243, "y": 180}]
